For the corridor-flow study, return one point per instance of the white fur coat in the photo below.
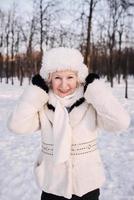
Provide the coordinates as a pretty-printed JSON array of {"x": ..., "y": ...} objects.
[{"x": 83, "y": 171}]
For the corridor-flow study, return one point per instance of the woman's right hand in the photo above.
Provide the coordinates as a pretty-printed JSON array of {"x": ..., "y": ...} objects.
[{"x": 40, "y": 82}]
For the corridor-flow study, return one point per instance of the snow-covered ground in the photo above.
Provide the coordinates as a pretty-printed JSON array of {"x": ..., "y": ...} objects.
[{"x": 18, "y": 153}]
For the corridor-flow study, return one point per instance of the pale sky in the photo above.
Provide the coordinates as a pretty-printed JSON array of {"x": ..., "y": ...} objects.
[{"x": 22, "y": 4}]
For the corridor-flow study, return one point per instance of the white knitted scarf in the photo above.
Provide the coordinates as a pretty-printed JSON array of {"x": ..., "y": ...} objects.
[{"x": 62, "y": 131}]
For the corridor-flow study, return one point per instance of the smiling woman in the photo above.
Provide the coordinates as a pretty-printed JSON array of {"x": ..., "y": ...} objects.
[{"x": 69, "y": 114}]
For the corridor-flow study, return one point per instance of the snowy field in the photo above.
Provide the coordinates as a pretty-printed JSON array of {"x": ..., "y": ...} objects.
[{"x": 18, "y": 153}]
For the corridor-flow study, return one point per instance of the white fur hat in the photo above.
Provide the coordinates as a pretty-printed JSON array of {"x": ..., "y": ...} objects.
[{"x": 60, "y": 59}]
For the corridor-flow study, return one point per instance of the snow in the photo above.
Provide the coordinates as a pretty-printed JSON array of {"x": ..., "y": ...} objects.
[{"x": 19, "y": 152}]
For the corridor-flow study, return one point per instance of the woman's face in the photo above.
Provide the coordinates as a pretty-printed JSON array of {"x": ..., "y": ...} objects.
[{"x": 64, "y": 82}]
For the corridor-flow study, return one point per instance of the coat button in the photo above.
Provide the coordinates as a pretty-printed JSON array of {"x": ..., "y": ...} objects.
[{"x": 89, "y": 146}]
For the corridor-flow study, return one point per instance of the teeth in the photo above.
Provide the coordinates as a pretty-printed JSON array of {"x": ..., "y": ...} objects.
[{"x": 64, "y": 91}]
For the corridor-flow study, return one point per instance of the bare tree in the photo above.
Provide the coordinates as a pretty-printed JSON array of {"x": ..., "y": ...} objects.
[
  {"x": 2, "y": 21},
  {"x": 120, "y": 33},
  {"x": 45, "y": 16},
  {"x": 117, "y": 10},
  {"x": 7, "y": 43},
  {"x": 91, "y": 6},
  {"x": 30, "y": 62},
  {"x": 12, "y": 60}
]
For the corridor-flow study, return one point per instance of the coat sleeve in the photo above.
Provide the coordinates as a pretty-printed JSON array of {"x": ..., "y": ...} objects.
[
  {"x": 25, "y": 117},
  {"x": 111, "y": 115}
]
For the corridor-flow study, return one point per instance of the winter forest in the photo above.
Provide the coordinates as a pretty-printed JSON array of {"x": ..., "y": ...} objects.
[{"x": 103, "y": 30}]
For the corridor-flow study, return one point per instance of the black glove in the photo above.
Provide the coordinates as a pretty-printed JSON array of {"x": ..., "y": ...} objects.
[
  {"x": 39, "y": 81},
  {"x": 89, "y": 79}
]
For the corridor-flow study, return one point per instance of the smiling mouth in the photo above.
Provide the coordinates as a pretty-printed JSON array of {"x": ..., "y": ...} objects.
[{"x": 64, "y": 92}]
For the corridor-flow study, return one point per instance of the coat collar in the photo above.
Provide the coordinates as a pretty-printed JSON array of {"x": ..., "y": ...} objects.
[
  {"x": 76, "y": 104},
  {"x": 76, "y": 113}
]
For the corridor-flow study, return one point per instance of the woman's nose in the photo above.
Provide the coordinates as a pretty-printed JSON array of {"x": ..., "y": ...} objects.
[{"x": 64, "y": 84}]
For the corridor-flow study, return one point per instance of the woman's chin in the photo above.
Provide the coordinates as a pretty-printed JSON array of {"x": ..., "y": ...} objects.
[{"x": 63, "y": 95}]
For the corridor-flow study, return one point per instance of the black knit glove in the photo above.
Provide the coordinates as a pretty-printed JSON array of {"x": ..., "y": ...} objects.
[
  {"x": 89, "y": 79},
  {"x": 39, "y": 81}
]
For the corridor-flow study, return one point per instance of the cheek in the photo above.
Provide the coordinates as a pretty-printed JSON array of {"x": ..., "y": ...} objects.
[
  {"x": 55, "y": 85},
  {"x": 74, "y": 84}
]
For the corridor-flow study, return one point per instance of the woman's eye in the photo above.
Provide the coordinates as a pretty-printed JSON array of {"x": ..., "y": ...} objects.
[
  {"x": 57, "y": 77},
  {"x": 70, "y": 77}
]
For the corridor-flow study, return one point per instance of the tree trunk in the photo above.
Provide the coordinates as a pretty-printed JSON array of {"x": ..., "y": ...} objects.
[
  {"x": 126, "y": 75},
  {"x": 41, "y": 28},
  {"x": 88, "y": 42},
  {"x": 126, "y": 87}
]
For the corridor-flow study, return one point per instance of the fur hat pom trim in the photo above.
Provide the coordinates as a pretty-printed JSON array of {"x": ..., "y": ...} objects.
[{"x": 61, "y": 59}]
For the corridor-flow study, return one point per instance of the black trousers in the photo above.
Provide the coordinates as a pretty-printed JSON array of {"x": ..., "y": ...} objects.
[{"x": 93, "y": 195}]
